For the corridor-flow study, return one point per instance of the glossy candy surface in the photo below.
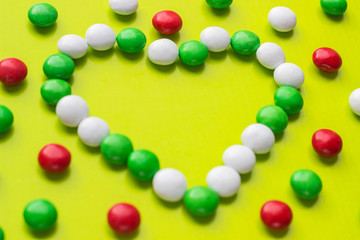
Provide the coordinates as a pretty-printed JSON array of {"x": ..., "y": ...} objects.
[
  {"x": 6, "y": 119},
  {"x": 334, "y": 7},
  {"x": 274, "y": 117},
  {"x": 327, "y": 143},
  {"x": 258, "y": 137},
  {"x": 100, "y": 37},
  {"x": 245, "y": 42},
  {"x": 354, "y": 101},
  {"x": 289, "y": 74},
  {"x": 216, "y": 39},
  {"x": 54, "y": 158},
  {"x": 276, "y": 215},
  {"x": 306, "y": 183},
  {"x": 270, "y": 55},
  {"x": 163, "y": 52},
  {"x": 42, "y": 15},
  {"x": 71, "y": 110},
  {"x": 201, "y": 201},
  {"x": 193, "y": 53},
  {"x": 116, "y": 148},
  {"x": 72, "y": 45},
  {"x": 224, "y": 180},
  {"x": 241, "y": 158},
  {"x": 327, "y": 59},
  {"x": 55, "y": 89},
  {"x": 59, "y": 66},
  {"x": 143, "y": 164},
  {"x": 123, "y": 218},
  {"x": 131, "y": 40},
  {"x": 219, "y": 4},
  {"x": 167, "y": 22},
  {"x": 92, "y": 131},
  {"x": 124, "y": 7},
  {"x": 40, "y": 215},
  {"x": 12, "y": 71},
  {"x": 282, "y": 19},
  {"x": 169, "y": 184},
  {"x": 289, "y": 99}
]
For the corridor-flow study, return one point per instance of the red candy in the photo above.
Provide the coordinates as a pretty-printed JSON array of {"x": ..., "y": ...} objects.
[
  {"x": 327, "y": 60},
  {"x": 276, "y": 215},
  {"x": 167, "y": 22},
  {"x": 12, "y": 71},
  {"x": 123, "y": 218},
  {"x": 327, "y": 143},
  {"x": 54, "y": 158}
]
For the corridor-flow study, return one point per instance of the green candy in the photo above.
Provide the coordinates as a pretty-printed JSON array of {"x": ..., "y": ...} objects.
[
  {"x": 274, "y": 117},
  {"x": 116, "y": 148},
  {"x": 6, "y": 118},
  {"x": 131, "y": 40},
  {"x": 201, "y": 201},
  {"x": 306, "y": 184},
  {"x": 245, "y": 42},
  {"x": 59, "y": 66},
  {"x": 2, "y": 235},
  {"x": 219, "y": 4},
  {"x": 289, "y": 99},
  {"x": 55, "y": 89},
  {"x": 143, "y": 164},
  {"x": 40, "y": 215},
  {"x": 193, "y": 53},
  {"x": 42, "y": 15},
  {"x": 334, "y": 7}
]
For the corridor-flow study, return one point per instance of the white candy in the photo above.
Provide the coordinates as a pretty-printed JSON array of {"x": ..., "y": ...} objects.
[
  {"x": 216, "y": 39},
  {"x": 71, "y": 110},
  {"x": 169, "y": 184},
  {"x": 72, "y": 45},
  {"x": 123, "y": 7},
  {"x": 224, "y": 180},
  {"x": 289, "y": 74},
  {"x": 93, "y": 130},
  {"x": 282, "y": 19},
  {"x": 100, "y": 37},
  {"x": 270, "y": 55},
  {"x": 163, "y": 52},
  {"x": 258, "y": 138},
  {"x": 239, "y": 157},
  {"x": 354, "y": 101}
]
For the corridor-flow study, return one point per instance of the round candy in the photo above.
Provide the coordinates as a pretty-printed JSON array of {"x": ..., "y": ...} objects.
[
  {"x": 334, "y": 7},
  {"x": 163, "y": 52},
  {"x": 167, "y": 22},
  {"x": 289, "y": 74},
  {"x": 143, "y": 164},
  {"x": 42, "y": 15},
  {"x": 100, "y": 37},
  {"x": 131, "y": 40},
  {"x": 201, "y": 201},
  {"x": 245, "y": 42},
  {"x": 55, "y": 89},
  {"x": 224, "y": 180},
  {"x": 282, "y": 19},
  {"x": 12, "y": 71},
  {"x": 71, "y": 110},
  {"x": 274, "y": 117},
  {"x": 276, "y": 215},
  {"x": 239, "y": 157},
  {"x": 258, "y": 138},
  {"x": 193, "y": 53},
  {"x": 124, "y": 7},
  {"x": 116, "y": 148},
  {"x": 216, "y": 39},
  {"x": 289, "y": 99},
  {"x": 40, "y": 215},
  {"x": 327, "y": 143},
  {"x": 219, "y": 4},
  {"x": 270, "y": 55},
  {"x": 59, "y": 66},
  {"x": 72, "y": 45},
  {"x": 123, "y": 218},
  {"x": 327, "y": 60},
  {"x": 54, "y": 158},
  {"x": 306, "y": 184},
  {"x": 6, "y": 118},
  {"x": 92, "y": 131},
  {"x": 354, "y": 101},
  {"x": 169, "y": 184}
]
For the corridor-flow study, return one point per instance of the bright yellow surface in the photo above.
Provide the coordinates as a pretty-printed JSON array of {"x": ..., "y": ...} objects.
[{"x": 188, "y": 116}]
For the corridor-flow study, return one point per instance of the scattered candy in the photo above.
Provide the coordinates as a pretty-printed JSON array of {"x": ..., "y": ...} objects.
[
  {"x": 274, "y": 117},
  {"x": 201, "y": 201},
  {"x": 40, "y": 215},
  {"x": 163, "y": 52},
  {"x": 334, "y": 7},
  {"x": 100, "y": 37},
  {"x": 193, "y": 53},
  {"x": 92, "y": 131},
  {"x": 306, "y": 184},
  {"x": 143, "y": 164},
  {"x": 167, "y": 22},
  {"x": 258, "y": 138},
  {"x": 216, "y": 39},
  {"x": 71, "y": 110},
  {"x": 354, "y": 101},
  {"x": 54, "y": 158},
  {"x": 239, "y": 157},
  {"x": 289, "y": 99},
  {"x": 327, "y": 60},
  {"x": 245, "y": 42},
  {"x": 55, "y": 89},
  {"x": 282, "y": 19},
  {"x": 6, "y": 119},
  {"x": 42, "y": 15},
  {"x": 224, "y": 180},
  {"x": 123, "y": 218},
  {"x": 59, "y": 66},
  {"x": 116, "y": 148},
  {"x": 131, "y": 40},
  {"x": 219, "y": 4},
  {"x": 72, "y": 45},
  {"x": 270, "y": 55},
  {"x": 124, "y": 7},
  {"x": 289, "y": 74},
  {"x": 169, "y": 184},
  {"x": 12, "y": 71},
  {"x": 327, "y": 143},
  {"x": 276, "y": 215}
]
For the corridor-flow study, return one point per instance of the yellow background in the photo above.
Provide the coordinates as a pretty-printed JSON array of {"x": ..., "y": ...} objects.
[{"x": 186, "y": 115}]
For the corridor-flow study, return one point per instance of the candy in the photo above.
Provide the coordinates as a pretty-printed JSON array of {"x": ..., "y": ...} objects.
[
  {"x": 276, "y": 215},
  {"x": 124, "y": 7},
  {"x": 59, "y": 66},
  {"x": 327, "y": 60},
  {"x": 270, "y": 55},
  {"x": 289, "y": 99},
  {"x": 245, "y": 42},
  {"x": 219, "y": 4},
  {"x": 224, "y": 180},
  {"x": 116, "y": 148},
  {"x": 258, "y": 138},
  {"x": 131, "y": 40},
  {"x": 42, "y": 15},
  {"x": 143, "y": 164},
  {"x": 54, "y": 158},
  {"x": 282, "y": 19},
  {"x": 163, "y": 52},
  {"x": 123, "y": 218},
  {"x": 12, "y": 71},
  {"x": 169, "y": 184},
  {"x": 216, "y": 39},
  {"x": 193, "y": 53},
  {"x": 72, "y": 45},
  {"x": 40, "y": 215},
  {"x": 2, "y": 235},
  {"x": 167, "y": 22},
  {"x": 71, "y": 110},
  {"x": 100, "y": 37},
  {"x": 6, "y": 119},
  {"x": 239, "y": 157},
  {"x": 55, "y": 89},
  {"x": 289, "y": 74},
  {"x": 274, "y": 117},
  {"x": 327, "y": 143},
  {"x": 92, "y": 131},
  {"x": 201, "y": 201},
  {"x": 306, "y": 184},
  {"x": 334, "y": 7},
  {"x": 354, "y": 101}
]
